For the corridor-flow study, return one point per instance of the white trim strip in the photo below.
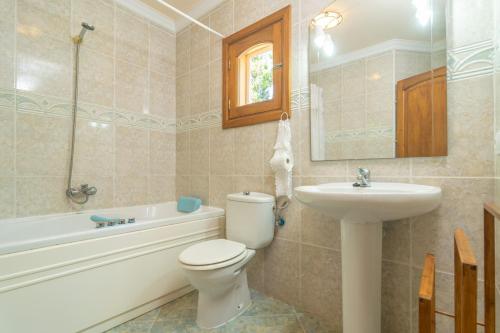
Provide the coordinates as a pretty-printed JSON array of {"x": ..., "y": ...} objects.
[{"x": 392, "y": 44}]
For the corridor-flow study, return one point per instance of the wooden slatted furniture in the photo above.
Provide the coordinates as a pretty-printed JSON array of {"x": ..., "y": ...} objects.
[{"x": 465, "y": 282}]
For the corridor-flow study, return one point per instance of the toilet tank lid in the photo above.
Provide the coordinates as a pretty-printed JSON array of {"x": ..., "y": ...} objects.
[{"x": 250, "y": 197}]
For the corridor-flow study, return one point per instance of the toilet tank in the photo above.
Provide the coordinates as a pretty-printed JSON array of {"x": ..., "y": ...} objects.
[{"x": 250, "y": 219}]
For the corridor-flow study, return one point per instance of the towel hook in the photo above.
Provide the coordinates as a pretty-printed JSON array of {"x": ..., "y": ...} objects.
[{"x": 284, "y": 114}]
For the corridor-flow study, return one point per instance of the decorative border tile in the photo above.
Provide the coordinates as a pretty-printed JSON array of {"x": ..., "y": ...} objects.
[
  {"x": 53, "y": 106},
  {"x": 471, "y": 61},
  {"x": 359, "y": 134},
  {"x": 202, "y": 120},
  {"x": 214, "y": 118},
  {"x": 7, "y": 98},
  {"x": 144, "y": 121}
]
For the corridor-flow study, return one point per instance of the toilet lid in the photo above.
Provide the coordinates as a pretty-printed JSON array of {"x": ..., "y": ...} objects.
[{"x": 211, "y": 252}]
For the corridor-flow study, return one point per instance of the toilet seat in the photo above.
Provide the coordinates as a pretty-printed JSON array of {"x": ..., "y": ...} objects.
[{"x": 212, "y": 254}]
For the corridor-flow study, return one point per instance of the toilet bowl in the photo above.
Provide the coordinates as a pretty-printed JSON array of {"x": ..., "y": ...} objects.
[
  {"x": 222, "y": 283},
  {"x": 217, "y": 268}
]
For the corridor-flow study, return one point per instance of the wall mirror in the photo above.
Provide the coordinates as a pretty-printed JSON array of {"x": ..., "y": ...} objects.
[
  {"x": 378, "y": 80},
  {"x": 256, "y": 66}
]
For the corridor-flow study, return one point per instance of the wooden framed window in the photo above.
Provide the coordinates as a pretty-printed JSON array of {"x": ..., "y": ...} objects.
[{"x": 256, "y": 67}]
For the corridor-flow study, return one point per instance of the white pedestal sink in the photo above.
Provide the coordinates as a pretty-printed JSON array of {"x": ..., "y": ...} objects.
[{"x": 361, "y": 211}]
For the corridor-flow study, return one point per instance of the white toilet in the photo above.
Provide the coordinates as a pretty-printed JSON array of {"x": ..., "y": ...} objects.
[{"x": 217, "y": 268}]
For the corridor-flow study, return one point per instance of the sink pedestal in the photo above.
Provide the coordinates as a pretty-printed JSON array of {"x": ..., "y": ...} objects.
[{"x": 361, "y": 276}]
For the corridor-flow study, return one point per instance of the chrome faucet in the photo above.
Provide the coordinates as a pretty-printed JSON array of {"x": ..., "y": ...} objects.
[{"x": 363, "y": 178}]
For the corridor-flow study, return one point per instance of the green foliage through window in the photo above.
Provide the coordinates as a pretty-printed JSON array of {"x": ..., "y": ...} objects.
[{"x": 261, "y": 77}]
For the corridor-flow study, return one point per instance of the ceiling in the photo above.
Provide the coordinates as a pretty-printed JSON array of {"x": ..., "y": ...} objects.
[{"x": 371, "y": 22}]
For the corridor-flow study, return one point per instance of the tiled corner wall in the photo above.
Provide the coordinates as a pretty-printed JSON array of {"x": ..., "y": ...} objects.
[
  {"x": 303, "y": 266},
  {"x": 126, "y": 119}
]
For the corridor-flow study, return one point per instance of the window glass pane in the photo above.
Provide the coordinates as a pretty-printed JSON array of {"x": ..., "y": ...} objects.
[
  {"x": 256, "y": 74},
  {"x": 260, "y": 85}
]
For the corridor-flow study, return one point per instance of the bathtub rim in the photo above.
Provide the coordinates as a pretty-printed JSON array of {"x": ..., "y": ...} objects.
[{"x": 12, "y": 248}]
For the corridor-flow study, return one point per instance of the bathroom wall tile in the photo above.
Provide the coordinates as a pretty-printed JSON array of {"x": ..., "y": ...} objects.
[
  {"x": 42, "y": 145},
  {"x": 44, "y": 65},
  {"x": 222, "y": 154},
  {"x": 215, "y": 85},
  {"x": 94, "y": 149},
  {"x": 131, "y": 87},
  {"x": 182, "y": 59},
  {"x": 281, "y": 270},
  {"x": 200, "y": 187},
  {"x": 103, "y": 198},
  {"x": 162, "y": 154},
  {"x": 399, "y": 167},
  {"x": 255, "y": 271},
  {"x": 199, "y": 52},
  {"x": 221, "y": 20},
  {"x": 182, "y": 184},
  {"x": 7, "y": 139},
  {"x": 249, "y": 154},
  {"x": 248, "y": 184},
  {"x": 248, "y": 12},
  {"x": 182, "y": 96},
  {"x": 30, "y": 201},
  {"x": 321, "y": 275},
  {"x": 319, "y": 229},
  {"x": 379, "y": 72},
  {"x": 199, "y": 151},
  {"x": 7, "y": 40},
  {"x": 96, "y": 78},
  {"x": 101, "y": 15},
  {"x": 396, "y": 241},
  {"x": 162, "y": 95},
  {"x": 199, "y": 90},
  {"x": 42, "y": 18},
  {"x": 132, "y": 151},
  {"x": 7, "y": 195},
  {"x": 131, "y": 190},
  {"x": 162, "y": 52},
  {"x": 395, "y": 297},
  {"x": 131, "y": 40},
  {"x": 461, "y": 207},
  {"x": 183, "y": 165},
  {"x": 220, "y": 187},
  {"x": 161, "y": 189},
  {"x": 311, "y": 168},
  {"x": 462, "y": 30},
  {"x": 470, "y": 133}
]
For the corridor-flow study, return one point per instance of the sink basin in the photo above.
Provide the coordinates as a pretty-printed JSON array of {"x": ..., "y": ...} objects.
[
  {"x": 380, "y": 202},
  {"x": 361, "y": 211}
]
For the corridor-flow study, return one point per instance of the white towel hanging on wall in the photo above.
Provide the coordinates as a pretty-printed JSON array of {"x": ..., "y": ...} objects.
[{"x": 282, "y": 160}]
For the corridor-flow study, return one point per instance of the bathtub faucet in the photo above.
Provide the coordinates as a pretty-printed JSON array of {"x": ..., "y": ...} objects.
[{"x": 102, "y": 221}]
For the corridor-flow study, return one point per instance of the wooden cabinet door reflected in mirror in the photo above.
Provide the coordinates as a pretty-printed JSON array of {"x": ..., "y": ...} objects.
[{"x": 377, "y": 81}]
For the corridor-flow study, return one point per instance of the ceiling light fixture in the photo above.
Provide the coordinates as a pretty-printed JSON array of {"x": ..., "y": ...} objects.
[
  {"x": 327, "y": 20},
  {"x": 424, "y": 11}
]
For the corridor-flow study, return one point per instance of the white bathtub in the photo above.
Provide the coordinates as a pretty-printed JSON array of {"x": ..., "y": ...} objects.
[{"x": 59, "y": 273}]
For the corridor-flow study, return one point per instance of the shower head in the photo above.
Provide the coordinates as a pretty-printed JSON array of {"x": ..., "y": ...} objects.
[{"x": 85, "y": 27}]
